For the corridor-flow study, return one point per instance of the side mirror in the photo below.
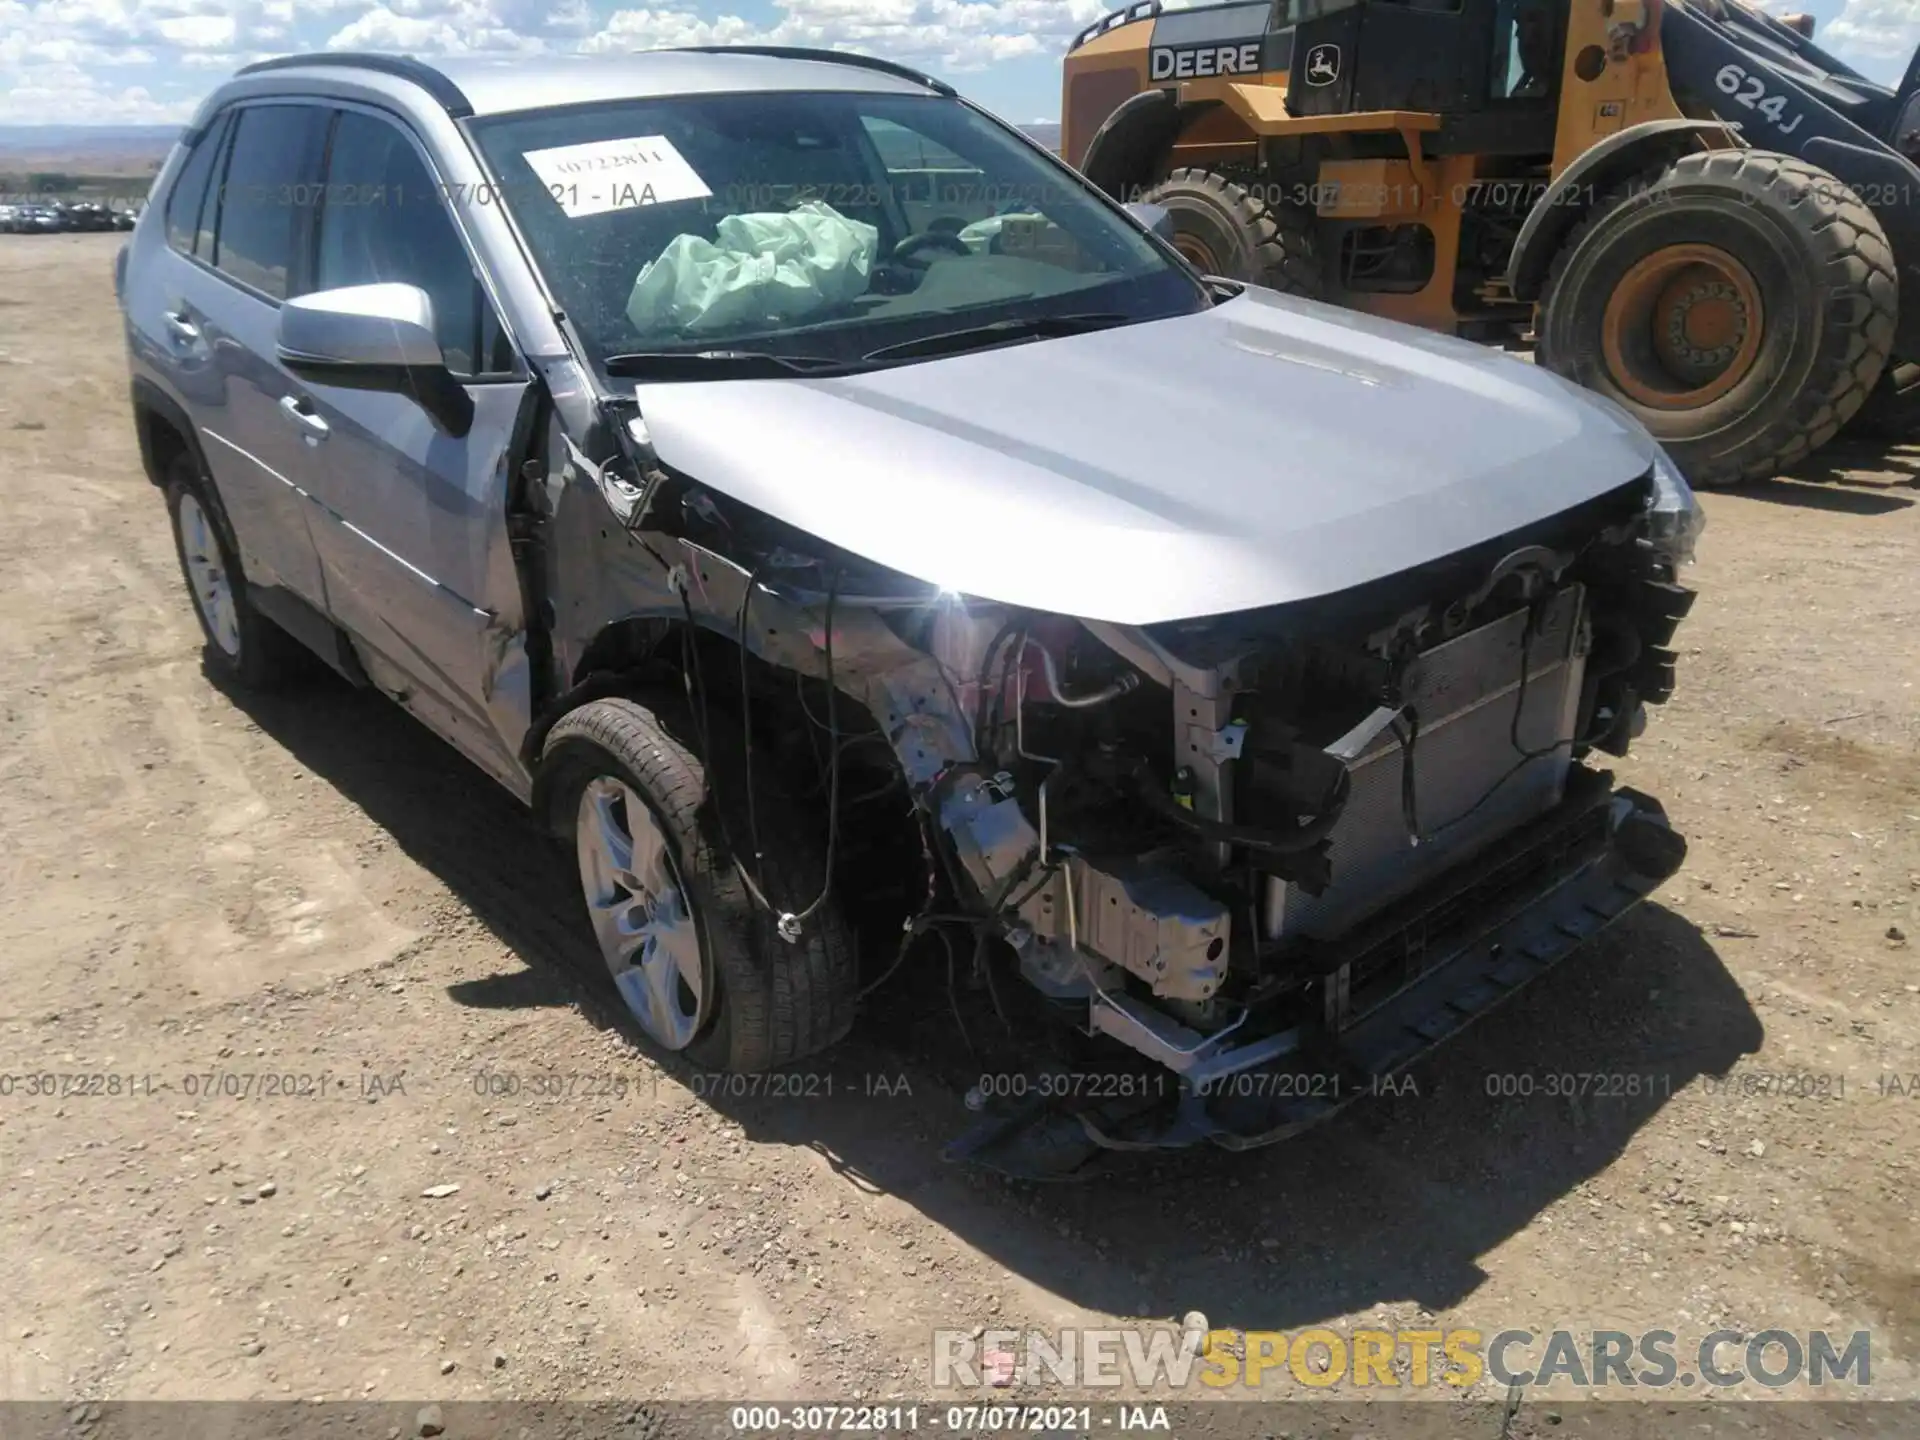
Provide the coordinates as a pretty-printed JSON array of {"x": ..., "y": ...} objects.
[
  {"x": 374, "y": 337},
  {"x": 1156, "y": 218}
]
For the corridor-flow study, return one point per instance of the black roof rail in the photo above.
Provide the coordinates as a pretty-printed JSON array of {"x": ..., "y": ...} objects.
[
  {"x": 831, "y": 57},
  {"x": 452, "y": 99}
]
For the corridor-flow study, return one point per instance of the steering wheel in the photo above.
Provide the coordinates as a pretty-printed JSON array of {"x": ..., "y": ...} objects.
[{"x": 914, "y": 245}]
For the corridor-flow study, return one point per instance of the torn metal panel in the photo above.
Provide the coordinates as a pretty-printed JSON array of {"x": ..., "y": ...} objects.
[
  {"x": 1138, "y": 915},
  {"x": 990, "y": 832},
  {"x": 623, "y": 497},
  {"x": 911, "y": 694}
]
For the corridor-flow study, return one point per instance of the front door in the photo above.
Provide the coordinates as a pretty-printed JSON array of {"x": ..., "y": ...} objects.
[{"x": 412, "y": 528}]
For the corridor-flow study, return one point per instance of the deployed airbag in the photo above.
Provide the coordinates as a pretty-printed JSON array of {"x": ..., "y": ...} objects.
[{"x": 760, "y": 269}]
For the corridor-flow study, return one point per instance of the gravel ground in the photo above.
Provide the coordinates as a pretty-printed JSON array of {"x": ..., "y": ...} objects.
[{"x": 199, "y": 885}]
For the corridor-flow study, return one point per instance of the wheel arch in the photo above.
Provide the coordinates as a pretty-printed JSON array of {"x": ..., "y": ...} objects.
[
  {"x": 1138, "y": 132},
  {"x": 620, "y": 662},
  {"x": 165, "y": 433},
  {"x": 160, "y": 423},
  {"x": 1603, "y": 166},
  {"x": 638, "y": 655}
]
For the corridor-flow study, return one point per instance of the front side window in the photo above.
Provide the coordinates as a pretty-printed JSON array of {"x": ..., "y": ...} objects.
[
  {"x": 384, "y": 221},
  {"x": 830, "y": 224},
  {"x": 268, "y": 194}
]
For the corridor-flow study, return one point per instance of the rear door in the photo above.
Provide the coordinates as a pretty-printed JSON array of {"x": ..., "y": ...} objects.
[
  {"x": 411, "y": 525},
  {"x": 236, "y": 225}
]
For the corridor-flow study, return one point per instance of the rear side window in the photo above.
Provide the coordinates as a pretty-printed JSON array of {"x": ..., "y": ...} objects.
[
  {"x": 385, "y": 221},
  {"x": 268, "y": 193},
  {"x": 189, "y": 216}
]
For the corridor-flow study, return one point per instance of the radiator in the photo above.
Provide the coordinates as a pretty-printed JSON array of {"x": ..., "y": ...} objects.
[{"x": 1464, "y": 691}]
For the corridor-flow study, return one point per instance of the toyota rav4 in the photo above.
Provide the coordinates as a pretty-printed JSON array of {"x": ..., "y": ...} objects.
[{"x": 816, "y": 502}]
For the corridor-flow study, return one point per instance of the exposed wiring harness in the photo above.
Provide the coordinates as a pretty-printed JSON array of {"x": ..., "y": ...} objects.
[
  {"x": 982, "y": 924},
  {"x": 1527, "y": 756},
  {"x": 788, "y": 923},
  {"x": 1253, "y": 837},
  {"x": 1406, "y": 729}
]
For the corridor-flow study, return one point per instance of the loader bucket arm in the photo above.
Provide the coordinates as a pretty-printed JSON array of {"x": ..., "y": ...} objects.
[{"x": 1737, "y": 70}]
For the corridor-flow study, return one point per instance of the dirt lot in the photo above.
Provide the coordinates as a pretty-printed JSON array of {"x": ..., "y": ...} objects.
[{"x": 313, "y": 886}]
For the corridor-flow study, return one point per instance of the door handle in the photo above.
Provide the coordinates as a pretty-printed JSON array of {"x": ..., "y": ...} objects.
[
  {"x": 180, "y": 327},
  {"x": 297, "y": 409}
]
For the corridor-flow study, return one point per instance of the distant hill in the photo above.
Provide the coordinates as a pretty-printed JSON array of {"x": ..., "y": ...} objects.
[
  {"x": 85, "y": 147},
  {"x": 1047, "y": 135}
]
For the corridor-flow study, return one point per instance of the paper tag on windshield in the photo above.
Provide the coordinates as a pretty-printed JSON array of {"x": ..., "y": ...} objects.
[{"x": 608, "y": 175}]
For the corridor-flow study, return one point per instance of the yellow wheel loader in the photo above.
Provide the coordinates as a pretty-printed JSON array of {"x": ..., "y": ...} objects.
[{"x": 1686, "y": 205}]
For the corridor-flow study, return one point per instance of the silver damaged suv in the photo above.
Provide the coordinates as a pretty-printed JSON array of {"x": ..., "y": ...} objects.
[{"x": 832, "y": 517}]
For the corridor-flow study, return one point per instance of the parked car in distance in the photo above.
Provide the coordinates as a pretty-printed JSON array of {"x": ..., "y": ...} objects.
[
  {"x": 830, "y": 514},
  {"x": 87, "y": 215},
  {"x": 9, "y": 219},
  {"x": 38, "y": 219}
]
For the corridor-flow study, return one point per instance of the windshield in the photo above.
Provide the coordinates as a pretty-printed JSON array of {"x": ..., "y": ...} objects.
[{"x": 825, "y": 225}]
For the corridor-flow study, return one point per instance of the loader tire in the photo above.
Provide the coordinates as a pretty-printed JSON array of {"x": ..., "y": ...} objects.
[
  {"x": 1891, "y": 415},
  {"x": 1225, "y": 229},
  {"x": 1740, "y": 303}
]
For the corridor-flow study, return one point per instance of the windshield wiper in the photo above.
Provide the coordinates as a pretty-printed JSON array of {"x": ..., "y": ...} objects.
[
  {"x": 749, "y": 364},
  {"x": 1030, "y": 327},
  {"x": 703, "y": 364}
]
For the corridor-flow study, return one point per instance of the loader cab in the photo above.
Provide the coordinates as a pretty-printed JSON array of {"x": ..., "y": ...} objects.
[{"x": 1454, "y": 58}]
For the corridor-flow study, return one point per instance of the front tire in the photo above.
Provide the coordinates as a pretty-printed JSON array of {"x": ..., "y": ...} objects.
[
  {"x": 701, "y": 966},
  {"x": 1740, "y": 303},
  {"x": 1225, "y": 229}
]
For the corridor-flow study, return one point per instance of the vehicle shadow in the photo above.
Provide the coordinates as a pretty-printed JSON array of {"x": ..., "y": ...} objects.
[{"x": 1393, "y": 1200}]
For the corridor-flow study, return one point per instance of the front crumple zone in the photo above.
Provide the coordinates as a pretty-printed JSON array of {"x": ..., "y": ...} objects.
[{"x": 1267, "y": 857}]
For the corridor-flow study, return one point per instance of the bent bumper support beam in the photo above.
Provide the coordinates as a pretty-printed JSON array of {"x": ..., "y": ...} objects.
[{"x": 1586, "y": 863}]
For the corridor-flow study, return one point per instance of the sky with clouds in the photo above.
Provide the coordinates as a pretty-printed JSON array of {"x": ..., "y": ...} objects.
[{"x": 139, "y": 61}]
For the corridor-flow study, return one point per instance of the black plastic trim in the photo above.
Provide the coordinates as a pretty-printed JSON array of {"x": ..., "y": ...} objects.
[
  {"x": 1596, "y": 171},
  {"x": 312, "y": 629},
  {"x": 449, "y": 95},
  {"x": 1122, "y": 151},
  {"x": 432, "y": 387},
  {"x": 150, "y": 402}
]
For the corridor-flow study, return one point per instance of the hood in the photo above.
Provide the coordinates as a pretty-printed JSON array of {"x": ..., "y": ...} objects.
[{"x": 1262, "y": 451}]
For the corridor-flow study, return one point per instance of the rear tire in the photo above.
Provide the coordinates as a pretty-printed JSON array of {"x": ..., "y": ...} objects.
[
  {"x": 1740, "y": 303},
  {"x": 754, "y": 1001},
  {"x": 243, "y": 647},
  {"x": 1225, "y": 229}
]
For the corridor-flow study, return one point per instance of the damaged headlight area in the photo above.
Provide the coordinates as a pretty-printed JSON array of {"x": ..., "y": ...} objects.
[{"x": 1674, "y": 517}]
